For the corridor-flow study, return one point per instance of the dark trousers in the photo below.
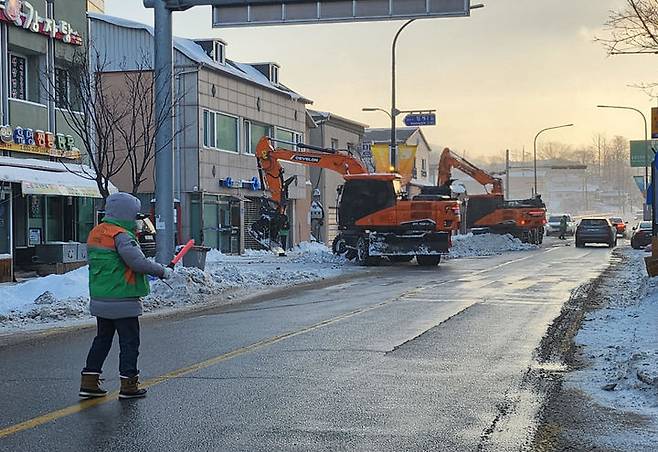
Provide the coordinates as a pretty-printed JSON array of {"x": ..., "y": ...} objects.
[{"x": 128, "y": 330}]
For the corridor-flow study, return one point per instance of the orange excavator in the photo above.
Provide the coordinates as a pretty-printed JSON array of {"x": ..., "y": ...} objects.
[
  {"x": 375, "y": 219},
  {"x": 524, "y": 219}
]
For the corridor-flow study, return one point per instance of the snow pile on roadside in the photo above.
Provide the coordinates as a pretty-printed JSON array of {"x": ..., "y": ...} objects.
[
  {"x": 315, "y": 252},
  {"x": 471, "y": 245},
  {"x": 57, "y": 298},
  {"x": 620, "y": 342}
]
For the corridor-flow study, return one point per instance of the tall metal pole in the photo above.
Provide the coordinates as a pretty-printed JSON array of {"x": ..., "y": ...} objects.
[
  {"x": 647, "y": 161},
  {"x": 394, "y": 111},
  {"x": 535, "y": 150},
  {"x": 164, "y": 157}
]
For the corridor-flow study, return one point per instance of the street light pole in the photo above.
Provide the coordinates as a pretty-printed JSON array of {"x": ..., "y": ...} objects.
[
  {"x": 646, "y": 139},
  {"x": 394, "y": 111},
  {"x": 535, "y": 149}
]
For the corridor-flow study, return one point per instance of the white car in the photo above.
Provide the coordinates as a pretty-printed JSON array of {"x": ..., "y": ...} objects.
[{"x": 553, "y": 224}]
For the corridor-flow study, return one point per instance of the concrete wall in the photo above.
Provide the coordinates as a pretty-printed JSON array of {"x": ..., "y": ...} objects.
[
  {"x": 423, "y": 152},
  {"x": 241, "y": 99},
  {"x": 328, "y": 181},
  {"x": 203, "y": 88}
]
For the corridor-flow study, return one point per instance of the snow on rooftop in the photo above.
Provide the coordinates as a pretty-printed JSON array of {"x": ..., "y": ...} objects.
[{"x": 195, "y": 52}]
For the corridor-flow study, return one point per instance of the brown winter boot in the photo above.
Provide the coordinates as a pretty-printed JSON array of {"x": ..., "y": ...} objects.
[
  {"x": 130, "y": 388},
  {"x": 90, "y": 385}
]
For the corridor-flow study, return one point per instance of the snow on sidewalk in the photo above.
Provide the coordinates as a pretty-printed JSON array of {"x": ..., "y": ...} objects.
[
  {"x": 620, "y": 341},
  {"x": 57, "y": 298},
  {"x": 60, "y": 298}
]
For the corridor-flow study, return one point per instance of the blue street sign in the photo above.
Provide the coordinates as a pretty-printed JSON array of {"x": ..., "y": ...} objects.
[{"x": 423, "y": 119}]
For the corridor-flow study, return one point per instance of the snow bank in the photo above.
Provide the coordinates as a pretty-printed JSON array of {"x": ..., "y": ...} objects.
[
  {"x": 57, "y": 298},
  {"x": 620, "y": 341},
  {"x": 70, "y": 285},
  {"x": 471, "y": 245}
]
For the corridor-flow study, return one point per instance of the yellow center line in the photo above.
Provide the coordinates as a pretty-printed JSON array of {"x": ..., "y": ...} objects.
[{"x": 90, "y": 403}]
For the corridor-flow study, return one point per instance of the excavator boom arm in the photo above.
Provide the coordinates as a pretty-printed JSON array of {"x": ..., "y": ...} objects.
[
  {"x": 269, "y": 165},
  {"x": 450, "y": 160}
]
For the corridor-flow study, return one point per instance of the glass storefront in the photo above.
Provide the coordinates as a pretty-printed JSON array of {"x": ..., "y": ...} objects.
[{"x": 221, "y": 223}]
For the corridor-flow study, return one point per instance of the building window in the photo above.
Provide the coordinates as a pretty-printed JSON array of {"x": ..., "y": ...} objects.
[
  {"x": 254, "y": 132},
  {"x": 334, "y": 143},
  {"x": 219, "y": 52},
  {"x": 274, "y": 74},
  {"x": 422, "y": 164},
  {"x": 18, "y": 77},
  {"x": 288, "y": 138},
  {"x": 61, "y": 88},
  {"x": 220, "y": 131},
  {"x": 208, "y": 129}
]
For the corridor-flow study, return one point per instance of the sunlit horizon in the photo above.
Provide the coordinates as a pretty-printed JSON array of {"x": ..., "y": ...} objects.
[{"x": 495, "y": 78}]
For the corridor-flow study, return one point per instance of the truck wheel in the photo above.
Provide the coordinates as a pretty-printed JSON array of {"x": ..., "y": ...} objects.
[
  {"x": 363, "y": 256},
  {"x": 339, "y": 245},
  {"x": 428, "y": 261}
]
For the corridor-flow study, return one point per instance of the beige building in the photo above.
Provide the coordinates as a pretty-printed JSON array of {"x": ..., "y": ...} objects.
[
  {"x": 225, "y": 108},
  {"x": 96, "y": 6},
  {"x": 332, "y": 132},
  {"x": 411, "y": 136}
]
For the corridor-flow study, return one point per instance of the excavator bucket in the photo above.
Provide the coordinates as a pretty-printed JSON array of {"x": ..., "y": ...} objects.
[{"x": 267, "y": 228}]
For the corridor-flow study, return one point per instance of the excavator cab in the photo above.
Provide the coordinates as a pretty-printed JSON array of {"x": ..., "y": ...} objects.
[{"x": 365, "y": 194}]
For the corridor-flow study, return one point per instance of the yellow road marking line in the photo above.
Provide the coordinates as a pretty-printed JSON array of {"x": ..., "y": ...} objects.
[{"x": 90, "y": 403}]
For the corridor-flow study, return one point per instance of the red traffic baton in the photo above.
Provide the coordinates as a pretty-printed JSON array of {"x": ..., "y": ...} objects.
[{"x": 188, "y": 246}]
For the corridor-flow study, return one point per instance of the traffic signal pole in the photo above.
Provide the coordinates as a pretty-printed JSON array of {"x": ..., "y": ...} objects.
[{"x": 164, "y": 156}]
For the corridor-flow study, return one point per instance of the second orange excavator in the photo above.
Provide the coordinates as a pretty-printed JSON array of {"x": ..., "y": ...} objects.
[
  {"x": 524, "y": 219},
  {"x": 375, "y": 219}
]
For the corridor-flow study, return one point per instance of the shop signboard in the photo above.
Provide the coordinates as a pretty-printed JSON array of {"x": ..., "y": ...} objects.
[
  {"x": 23, "y": 14},
  {"x": 38, "y": 142}
]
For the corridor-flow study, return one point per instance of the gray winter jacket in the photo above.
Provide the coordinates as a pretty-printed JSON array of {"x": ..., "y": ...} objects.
[{"x": 125, "y": 207}]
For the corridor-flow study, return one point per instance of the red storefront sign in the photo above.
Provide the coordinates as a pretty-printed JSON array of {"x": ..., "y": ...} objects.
[{"x": 22, "y": 14}]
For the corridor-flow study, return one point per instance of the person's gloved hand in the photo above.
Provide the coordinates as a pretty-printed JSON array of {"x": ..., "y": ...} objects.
[{"x": 168, "y": 273}]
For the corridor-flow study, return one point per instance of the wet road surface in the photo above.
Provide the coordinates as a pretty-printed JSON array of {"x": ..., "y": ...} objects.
[{"x": 405, "y": 359}]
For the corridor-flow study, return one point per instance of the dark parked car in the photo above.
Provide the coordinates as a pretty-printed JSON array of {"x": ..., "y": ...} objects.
[
  {"x": 596, "y": 230},
  {"x": 641, "y": 235}
]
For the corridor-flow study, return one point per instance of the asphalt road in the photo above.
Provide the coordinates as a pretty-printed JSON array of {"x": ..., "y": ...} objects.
[{"x": 405, "y": 359}]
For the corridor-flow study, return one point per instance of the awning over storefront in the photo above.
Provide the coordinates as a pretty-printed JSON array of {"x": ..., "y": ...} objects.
[{"x": 38, "y": 177}]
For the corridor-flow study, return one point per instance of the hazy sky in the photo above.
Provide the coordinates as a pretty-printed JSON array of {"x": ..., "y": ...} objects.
[{"x": 496, "y": 78}]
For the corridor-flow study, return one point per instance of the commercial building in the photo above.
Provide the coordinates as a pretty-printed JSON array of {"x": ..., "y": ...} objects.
[
  {"x": 332, "y": 132},
  {"x": 41, "y": 199},
  {"x": 223, "y": 108}
]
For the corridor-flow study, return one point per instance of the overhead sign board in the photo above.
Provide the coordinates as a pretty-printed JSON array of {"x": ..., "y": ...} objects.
[
  {"x": 236, "y": 13},
  {"x": 423, "y": 119},
  {"x": 642, "y": 153}
]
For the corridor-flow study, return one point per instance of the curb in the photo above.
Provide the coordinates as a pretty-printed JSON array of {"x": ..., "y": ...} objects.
[{"x": 217, "y": 305}]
